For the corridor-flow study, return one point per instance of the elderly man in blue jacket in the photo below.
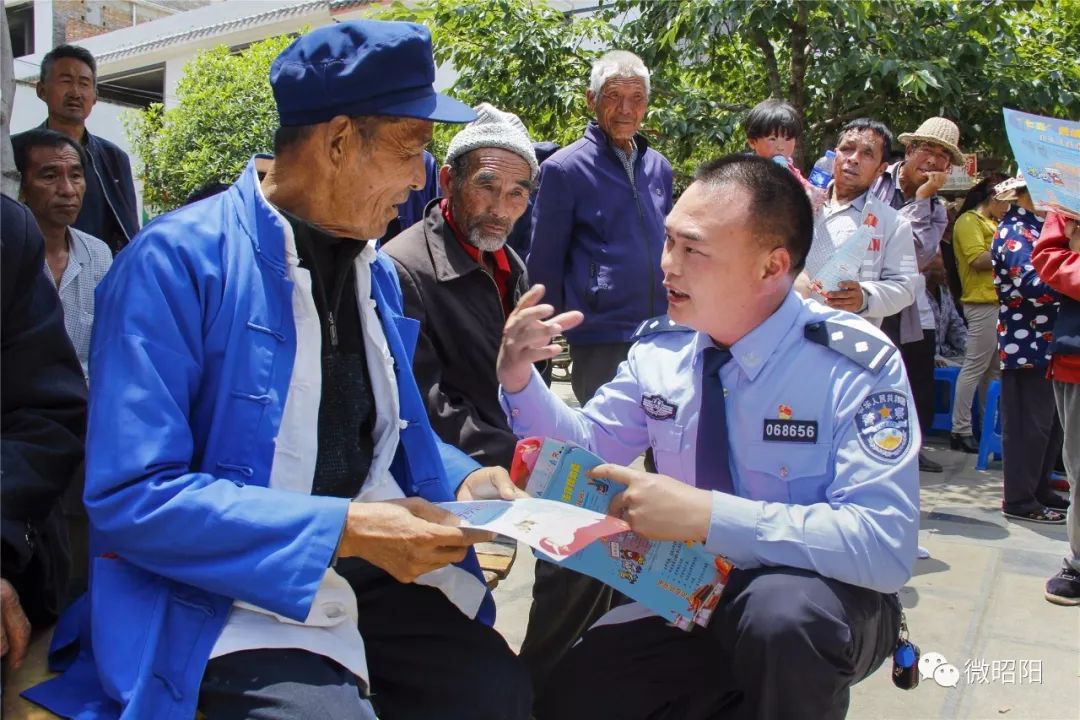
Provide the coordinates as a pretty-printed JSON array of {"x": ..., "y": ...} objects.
[{"x": 261, "y": 475}]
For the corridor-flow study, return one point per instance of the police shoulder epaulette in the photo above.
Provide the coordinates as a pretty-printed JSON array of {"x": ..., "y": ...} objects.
[
  {"x": 858, "y": 346},
  {"x": 658, "y": 324}
]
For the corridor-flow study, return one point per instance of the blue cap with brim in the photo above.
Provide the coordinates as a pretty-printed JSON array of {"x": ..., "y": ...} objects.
[{"x": 362, "y": 67}]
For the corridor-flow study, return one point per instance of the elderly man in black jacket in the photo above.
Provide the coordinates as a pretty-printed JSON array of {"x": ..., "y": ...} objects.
[
  {"x": 43, "y": 398},
  {"x": 460, "y": 280}
]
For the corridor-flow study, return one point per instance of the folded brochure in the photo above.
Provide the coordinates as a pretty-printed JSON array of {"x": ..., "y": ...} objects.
[
  {"x": 679, "y": 581},
  {"x": 555, "y": 529}
]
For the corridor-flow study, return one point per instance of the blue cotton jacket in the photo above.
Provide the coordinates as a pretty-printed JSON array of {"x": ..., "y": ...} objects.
[
  {"x": 192, "y": 352},
  {"x": 597, "y": 239}
]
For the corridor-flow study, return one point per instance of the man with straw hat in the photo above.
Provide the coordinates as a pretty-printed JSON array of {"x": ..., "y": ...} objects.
[{"x": 910, "y": 186}]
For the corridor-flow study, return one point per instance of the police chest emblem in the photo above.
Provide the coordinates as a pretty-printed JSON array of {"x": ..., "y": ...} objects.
[
  {"x": 784, "y": 429},
  {"x": 882, "y": 425},
  {"x": 656, "y": 407}
]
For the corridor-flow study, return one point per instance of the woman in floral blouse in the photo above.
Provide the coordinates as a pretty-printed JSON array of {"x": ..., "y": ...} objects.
[{"x": 1031, "y": 434}]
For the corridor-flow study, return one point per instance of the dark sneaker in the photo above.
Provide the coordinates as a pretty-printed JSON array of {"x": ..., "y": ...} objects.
[
  {"x": 1064, "y": 588},
  {"x": 928, "y": 465},
  {"x": 1045, "y": 515}
]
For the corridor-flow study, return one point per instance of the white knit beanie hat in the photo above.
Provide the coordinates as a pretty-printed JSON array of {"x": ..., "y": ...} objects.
[{"x": 494, "y": 128}]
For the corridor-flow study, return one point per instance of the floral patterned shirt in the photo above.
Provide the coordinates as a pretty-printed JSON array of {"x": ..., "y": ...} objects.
[{"x": 1028, "y": 307}]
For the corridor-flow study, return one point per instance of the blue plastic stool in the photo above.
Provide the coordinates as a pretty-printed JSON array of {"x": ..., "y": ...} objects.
[
  {"x": 990, "y": 438},
  {"x": 944, "y": 391}
]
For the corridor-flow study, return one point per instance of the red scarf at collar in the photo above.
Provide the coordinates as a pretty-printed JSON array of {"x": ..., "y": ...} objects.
[{"x": 501, "y": 276}]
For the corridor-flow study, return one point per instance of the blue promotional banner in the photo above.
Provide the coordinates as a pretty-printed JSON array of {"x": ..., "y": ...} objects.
[{"x": 1047, "y": 151}]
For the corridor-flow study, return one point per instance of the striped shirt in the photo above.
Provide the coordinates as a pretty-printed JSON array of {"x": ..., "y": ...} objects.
[{"x": 88, "y": 261}]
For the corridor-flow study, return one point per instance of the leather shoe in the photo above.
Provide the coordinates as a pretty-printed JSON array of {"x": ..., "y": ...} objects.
[
  {"x": 964, "y": 443},
  {"x": 928, "y": 465}
]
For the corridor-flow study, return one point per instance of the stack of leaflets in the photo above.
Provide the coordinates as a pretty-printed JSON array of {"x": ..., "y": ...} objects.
[{"x": 566, "y": 521}]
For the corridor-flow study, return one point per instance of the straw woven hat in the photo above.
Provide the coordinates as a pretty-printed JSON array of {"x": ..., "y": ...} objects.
[{"x": 941, "y": 131}]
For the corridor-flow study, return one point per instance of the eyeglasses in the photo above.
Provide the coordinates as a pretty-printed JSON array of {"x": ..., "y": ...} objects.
[{"x": 934, "y": 152}]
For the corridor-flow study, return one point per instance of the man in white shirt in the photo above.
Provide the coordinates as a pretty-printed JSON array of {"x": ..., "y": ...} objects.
[
  {"x": 887, "y": 277},
  {"x": 53, "y": 184}
]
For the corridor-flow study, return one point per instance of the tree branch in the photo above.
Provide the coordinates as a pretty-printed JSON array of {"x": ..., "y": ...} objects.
[
  {"x": 840, "y": 119},
  {"x": 797, "y": 82},
  {"x": 771, "y": 68}
]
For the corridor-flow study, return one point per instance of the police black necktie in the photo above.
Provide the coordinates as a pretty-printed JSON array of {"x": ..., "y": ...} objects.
[{"x": 713, "y": 469}]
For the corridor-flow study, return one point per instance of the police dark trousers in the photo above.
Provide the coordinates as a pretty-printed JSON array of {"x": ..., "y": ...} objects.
[
  {"x": 565, "y": 604},
  {"x": 784, "y": 643},
  {"x": 1031, "y": 438}
]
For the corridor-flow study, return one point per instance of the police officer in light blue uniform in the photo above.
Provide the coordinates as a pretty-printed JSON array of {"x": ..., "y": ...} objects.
[{"x": 782, "y": 432}]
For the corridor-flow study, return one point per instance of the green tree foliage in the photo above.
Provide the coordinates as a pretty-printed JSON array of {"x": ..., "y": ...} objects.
[
  {"x": 522, "y": 56},
  {"x": 898, "y": 61},
  {"x": 225, "y": 114}
]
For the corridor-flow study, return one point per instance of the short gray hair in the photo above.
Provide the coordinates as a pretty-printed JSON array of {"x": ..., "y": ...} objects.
[{"x": 617, "y": 64}]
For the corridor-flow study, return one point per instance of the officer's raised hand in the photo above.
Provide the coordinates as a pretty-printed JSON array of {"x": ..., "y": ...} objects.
[
  {"x": 658, "y": 507},
  {"x": 527, "y": 338}
]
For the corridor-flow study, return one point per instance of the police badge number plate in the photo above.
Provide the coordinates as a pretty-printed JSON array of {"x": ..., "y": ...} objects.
[
  {"x": 788, "y": 430},
  {"x": 882, "y": 425},
  {"x": 657, "y": 407}
]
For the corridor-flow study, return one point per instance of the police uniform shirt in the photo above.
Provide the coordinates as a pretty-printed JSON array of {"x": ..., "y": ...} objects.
[{"x": 823, "y": 454}]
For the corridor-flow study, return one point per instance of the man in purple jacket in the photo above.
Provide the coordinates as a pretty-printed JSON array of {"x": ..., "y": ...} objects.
[
  {"x": 597, "y": 237},
  {"x": 911, "y": 186},
  {"x": 598, "y": 223}
]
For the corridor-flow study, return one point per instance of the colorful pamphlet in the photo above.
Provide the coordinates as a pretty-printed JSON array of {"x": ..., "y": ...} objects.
[
  {"x": 680, "y": 581},
  {"x": 553, "y": 528},
  {"x": 1047, "y": 151}
]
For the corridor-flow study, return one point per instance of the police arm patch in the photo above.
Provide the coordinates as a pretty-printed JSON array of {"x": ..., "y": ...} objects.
[{"x": 882, "y": 425}]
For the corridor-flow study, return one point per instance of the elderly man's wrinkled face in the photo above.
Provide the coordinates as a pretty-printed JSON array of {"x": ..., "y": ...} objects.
[
  {"x": 489, "y": 196},
  {"x": 68, "y": 90},
  {"x": 922, "y": 157},
  {"x": 53, "y": 185},
  {"x": 620, "y": 108},
  {"x": 387, "y": 164}
]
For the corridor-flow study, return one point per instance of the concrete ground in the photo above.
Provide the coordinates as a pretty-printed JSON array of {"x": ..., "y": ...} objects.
[{"x": 978, "y": 601}]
